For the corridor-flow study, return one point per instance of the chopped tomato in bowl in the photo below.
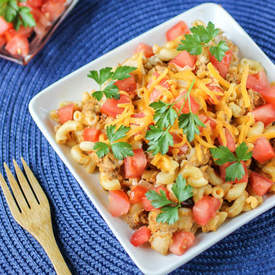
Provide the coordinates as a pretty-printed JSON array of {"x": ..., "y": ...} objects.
[{"x": 25, "y": 38}]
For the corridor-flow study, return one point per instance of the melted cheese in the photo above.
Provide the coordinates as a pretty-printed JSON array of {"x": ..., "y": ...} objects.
[
  {"x": 266, "y": 135},
  {"x": 245, "y": 96}
]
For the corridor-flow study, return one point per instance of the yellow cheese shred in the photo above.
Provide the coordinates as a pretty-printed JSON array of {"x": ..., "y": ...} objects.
[
  {"x": 245, "y": 96},
  {"x": 214, "y": 73},
  {"x": 198, "y": 151},
  {"x": 247, "y": 122},
  {"x": 266, "y": 135}
]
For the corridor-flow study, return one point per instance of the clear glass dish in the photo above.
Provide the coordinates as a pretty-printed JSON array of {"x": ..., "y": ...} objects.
[{"x": 36, "y": 44}]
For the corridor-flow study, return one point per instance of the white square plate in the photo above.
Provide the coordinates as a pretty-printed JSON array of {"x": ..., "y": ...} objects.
[{"x": 71, "y": 88}]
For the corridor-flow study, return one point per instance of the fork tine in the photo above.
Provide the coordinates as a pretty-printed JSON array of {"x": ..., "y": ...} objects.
[
  {"x": 16, "y": 189},
  {"x": 40, "y": 194},
  {"x": 9, "y": 198},
  {"x": 24, "y": 185}
]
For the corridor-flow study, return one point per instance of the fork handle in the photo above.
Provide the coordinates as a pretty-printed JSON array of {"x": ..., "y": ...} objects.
[{"x": 48, "y": 242}]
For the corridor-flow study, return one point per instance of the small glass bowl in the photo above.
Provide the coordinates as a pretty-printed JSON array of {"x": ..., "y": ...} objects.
[{"x": 36, "y": 44}]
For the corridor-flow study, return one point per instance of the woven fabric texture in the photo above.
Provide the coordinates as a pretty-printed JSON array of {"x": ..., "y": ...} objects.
[{"x": 92, "y": 29}]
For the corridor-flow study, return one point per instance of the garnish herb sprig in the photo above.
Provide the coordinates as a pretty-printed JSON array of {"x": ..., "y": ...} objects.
[
  {"x": 17, "y": 15},
  {"x": 202, "y": 37},
  {"x": 169, "y": 209},
  {"x": 223, "y": 155},
  {"x": 165, "y": 116},
  {"x": 120, "y": 150},
  {"x": 106, "y": 74}
]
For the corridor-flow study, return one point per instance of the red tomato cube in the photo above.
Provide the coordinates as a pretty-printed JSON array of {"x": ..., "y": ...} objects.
[
  {"x": 222, "y": 66},
  {"x": 264, "y": 113},
  {"x": 137, "y": 193},
  {"x": 134, "y": 166},
  {"x": 119, "y": 203},
  {"x": 4, "y": 25},
  {"x": 181, "y": 242},
  {"x": 146, "y": 49},
  {"x": 91, "y": 134},
  {"x": 183, "y": 59},
  {"x": 18, "y": 45},
  {"x": 257, "y": 82},
  {"x": 141, "y": 236},
  {"x": 259, "y": 184},
  {"x": 65, "y": 113},
  {"x": 263, "y": 151},
  {"x": 177, "y": 30},
  {"x": 230, "y": 143}
]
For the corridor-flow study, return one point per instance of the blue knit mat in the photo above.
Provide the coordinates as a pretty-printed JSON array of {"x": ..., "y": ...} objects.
[{"x": 92, "y": 29}]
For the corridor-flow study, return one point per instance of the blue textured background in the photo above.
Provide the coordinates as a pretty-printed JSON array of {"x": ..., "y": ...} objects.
[{"x": 92, "y": 29}]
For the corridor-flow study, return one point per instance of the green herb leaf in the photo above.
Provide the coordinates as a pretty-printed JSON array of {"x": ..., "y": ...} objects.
[
  {"x": 234, "y": 171},
  {"x": 182, "y": 191},
  {"x": 111, "y": 91},
  {"x": 101, "y": 149},
  {"x": 27, "y": 17},
  {"x": 122, "y": 150},
  {"x": 104, "y": 75},
  {"x": 242, "y": 152},
  {"x": 123, "y": 72},
  {"x": 201, "y": 37},
  {"x": 114, "y": 135},
  {"x": 189, "y": 124},
  {"x": 169, "y": 214},
  {"x": 219, "y": 50},
  {"x": 159, "y": 140},
  {"x": 94, "y": 75},
  {"x": 97, "y": 95},
  {"x": 158, "y": 199},
  {"x": 164, "y": 115},
  {"x": 222, "y": 155}
]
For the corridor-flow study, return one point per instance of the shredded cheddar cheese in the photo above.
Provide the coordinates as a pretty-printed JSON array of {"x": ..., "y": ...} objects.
[
  {"x": 245, "y": 96},
  {"x": 214, "y": 73}
]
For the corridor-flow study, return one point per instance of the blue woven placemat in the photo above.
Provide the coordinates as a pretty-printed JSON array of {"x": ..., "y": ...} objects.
[{"x": 92, "y": 29}]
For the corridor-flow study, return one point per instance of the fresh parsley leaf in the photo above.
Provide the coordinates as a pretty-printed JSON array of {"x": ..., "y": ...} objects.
[
  {"x": 165, "y": 115},
  {"x": 234, "y": 171},
  {"x": 191, "y": 44},
  {"x": 105, "y": 74},
  {"x": 189, "y": 124},
  {"x": 123, "y": 72},
  {"x": 182, "y": 191},
  {"x": 98, "y": 95},
  {"x": 222, "y": 155},
  {"x": 94, "y": 75},
  {"x": 243, "y": 153},
  {"x": 114, "y": 135},
  {"x": 159, "y": 140},
  {"x": 202, "y": 37},
  {"x": 18, "y": 15},
  {"x": 219, "y": 50},
  {"x": 111, "y": 91},
  {"x": 122, "y": 150},
  {"x": 157, "y": 199},
  {"x": 101, "y": 149},
  {"x": 169, "y": 214}
]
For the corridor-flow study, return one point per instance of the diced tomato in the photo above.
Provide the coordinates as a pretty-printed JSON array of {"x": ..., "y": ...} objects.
[
  {"x": 2, "y": 41},
  {"x": 53, "y": 9},
  {"x": 257, "y": 82},
  {"x": 40, "y": 19},
  {"x": 223, "y": 173},
  {"x": 25, "y": 31},
  {"x": 119, "y": 203},
  {"x": 183, "y": 59},
  {"x": 264, "y": 113},
  {"x": 110, "y": 106},
  {"x": 10, "y": 34},
  {"x": 163, "y": 188},
  {"x": 35, "y": 3},
  {"x": 205, "y": 209},
  {"x": 65, "y": 113},
  {"x": 263, "y": 151},
  {"x": 146, "y": 49},
  {"x": 91, "y": 134},
  {"x": 230, "y": 143},
  {"x": 260, "y": 184},
  {"x": 185, "y": 109},
  {"x": 269, "y": 95},
  {"x": 214, "y": 88},
  {"x": 207, "y": 120},
  {"x": 181, "y": 242},
  {"x": 147, "y": 204},
  {"x": 128, "y": 85},
  {"x": 156, "y": 93},
  {"x": 222, "y": 66},
  {"x": 134, "y": 166},
  {"x": 177, "y": 30},
  {"x": 138, "y": 115},
  {"x": 137, "y": 193},
  {"x": 141, "y": 236},
  {"x": 18, "y": 45},
  {"x": 4, "y": 25}
]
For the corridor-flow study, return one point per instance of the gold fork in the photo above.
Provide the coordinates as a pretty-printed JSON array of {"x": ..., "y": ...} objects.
[{"x": 30, "y": 208}]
